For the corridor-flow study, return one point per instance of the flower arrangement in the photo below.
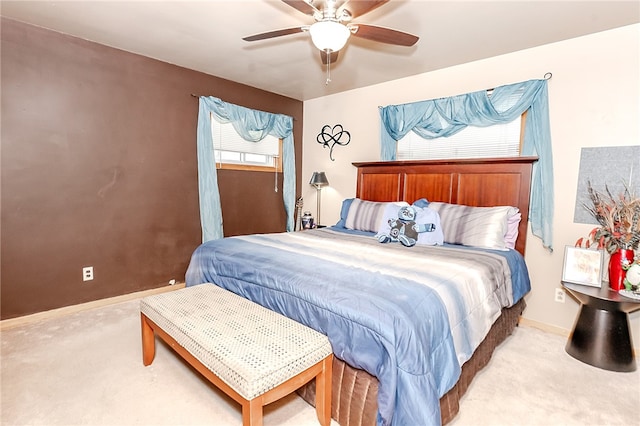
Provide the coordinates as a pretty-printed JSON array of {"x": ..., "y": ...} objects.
[
  {"x": 632, "y": 278},
  {"x": 619, "y": 219}
]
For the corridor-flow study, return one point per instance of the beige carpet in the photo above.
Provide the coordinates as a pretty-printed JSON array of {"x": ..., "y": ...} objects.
[{"x": 86, "y": 369}]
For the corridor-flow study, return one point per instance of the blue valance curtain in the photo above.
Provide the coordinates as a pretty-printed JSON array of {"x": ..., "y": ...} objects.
[
  {"x": 253, "y": 126},
  {"x": 447, "y": 116}
]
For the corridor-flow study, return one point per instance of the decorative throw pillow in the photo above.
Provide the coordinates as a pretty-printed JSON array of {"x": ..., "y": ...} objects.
[
  {"x": 427, "y": 215},
  {"x": 421, "y": 203},
  {"x": 484, "y": 227},
  {"x": 344, "y": 211},
  {"x": 429, "y": 232}
]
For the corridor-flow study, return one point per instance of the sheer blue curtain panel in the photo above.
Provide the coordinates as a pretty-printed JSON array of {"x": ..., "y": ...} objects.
[{"x": 253, "y": 126}]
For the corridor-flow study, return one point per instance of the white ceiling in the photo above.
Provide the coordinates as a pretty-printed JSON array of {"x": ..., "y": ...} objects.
[{"x": 207, "y": 35}]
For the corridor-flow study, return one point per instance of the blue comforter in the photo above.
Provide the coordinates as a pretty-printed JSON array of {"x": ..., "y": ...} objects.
[{"x": 409, "y": 316}]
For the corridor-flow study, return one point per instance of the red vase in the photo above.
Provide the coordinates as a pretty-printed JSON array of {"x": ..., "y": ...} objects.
[{"x": 616, "y": 273}]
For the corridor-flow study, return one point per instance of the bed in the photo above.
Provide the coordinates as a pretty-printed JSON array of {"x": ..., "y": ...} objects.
[{"x": 409, "y": 326}]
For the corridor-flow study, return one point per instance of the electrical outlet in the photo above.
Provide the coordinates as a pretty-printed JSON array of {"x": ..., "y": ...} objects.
[
  {"x": 87, "y": 273},
  {"x": 560, "y": 295}
]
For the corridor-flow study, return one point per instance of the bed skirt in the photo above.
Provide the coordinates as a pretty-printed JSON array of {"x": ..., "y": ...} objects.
[{"x": 355, "y": 392}]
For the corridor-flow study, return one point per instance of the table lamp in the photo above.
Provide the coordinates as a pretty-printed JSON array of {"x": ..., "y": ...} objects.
[{"x": 318, "y": 179}]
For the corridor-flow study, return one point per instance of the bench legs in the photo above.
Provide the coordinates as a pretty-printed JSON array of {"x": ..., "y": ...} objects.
[
  {"x": 148, "y": 341},
  {"x": 252, "y": 412},
  {"x": 323, "y": 392}
]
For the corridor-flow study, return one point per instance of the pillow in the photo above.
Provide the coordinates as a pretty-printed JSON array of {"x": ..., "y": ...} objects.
[
  {"x": 513, "y": 222},
  {"x": 424, "y": 215},
  {"x": 429, "y": 215},
  {"x": 484, "y": 227},
  {"x": 368, "y": 215},
  {"x": 344, "y": 211},
  {"x": 421, "y": 203}
]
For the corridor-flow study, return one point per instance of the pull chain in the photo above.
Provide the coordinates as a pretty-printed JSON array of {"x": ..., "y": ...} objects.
[{"x": 275, "y": 174}]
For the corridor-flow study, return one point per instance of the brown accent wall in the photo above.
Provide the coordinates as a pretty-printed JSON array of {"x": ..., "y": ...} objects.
[{"x": 99, "y": 169}]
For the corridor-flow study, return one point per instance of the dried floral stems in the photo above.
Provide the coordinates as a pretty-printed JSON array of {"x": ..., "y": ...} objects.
[{"x": 619, "y": 219}]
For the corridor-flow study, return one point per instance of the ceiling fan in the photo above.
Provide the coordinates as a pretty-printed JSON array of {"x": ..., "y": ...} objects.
[{"x": 333, "y": 26}]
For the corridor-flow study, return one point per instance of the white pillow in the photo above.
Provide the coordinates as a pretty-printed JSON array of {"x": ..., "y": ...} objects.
[
  {"x": 484, "y": 227},
  {"x": 513, "y": 224}
]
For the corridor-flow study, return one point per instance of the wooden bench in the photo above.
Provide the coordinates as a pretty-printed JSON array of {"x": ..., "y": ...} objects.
[{"x": 253, "y": 354}]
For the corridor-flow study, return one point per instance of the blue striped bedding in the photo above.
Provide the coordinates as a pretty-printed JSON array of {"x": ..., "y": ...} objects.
[{"x": 409, "y": 316}]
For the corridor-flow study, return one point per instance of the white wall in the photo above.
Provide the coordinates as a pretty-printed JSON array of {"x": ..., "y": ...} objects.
[{"x": 594, "y": 101}]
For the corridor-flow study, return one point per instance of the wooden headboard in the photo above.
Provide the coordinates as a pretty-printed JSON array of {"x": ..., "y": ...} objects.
[{"x": 482, "y": 182}]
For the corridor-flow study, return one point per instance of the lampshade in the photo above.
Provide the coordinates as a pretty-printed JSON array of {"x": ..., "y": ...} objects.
[
  {"x": 329, "y": 35},
  {"x": 318, "y": 179}
]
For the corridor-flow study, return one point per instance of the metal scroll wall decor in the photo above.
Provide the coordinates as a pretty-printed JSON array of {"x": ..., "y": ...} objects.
[{"x": 329, "y": 137}]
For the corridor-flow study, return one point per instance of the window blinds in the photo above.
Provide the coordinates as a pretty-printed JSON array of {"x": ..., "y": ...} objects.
[
  {"x": 500, "y": 140},
  {"x": 225, "y": 138}
]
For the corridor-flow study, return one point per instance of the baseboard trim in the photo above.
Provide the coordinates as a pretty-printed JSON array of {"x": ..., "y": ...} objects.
[
  {"x": 544, "y": 327},
  {"x": 68, "y": 310},
  {"x": 559, "y": 331}
]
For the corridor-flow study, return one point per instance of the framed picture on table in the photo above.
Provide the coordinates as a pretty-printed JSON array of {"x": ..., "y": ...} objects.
[{"x": 583, "y": 266}]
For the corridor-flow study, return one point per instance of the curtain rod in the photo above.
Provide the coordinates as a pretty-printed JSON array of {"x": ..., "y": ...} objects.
[
  {"x": 546, "y": 76},
  {"x": 293, "y": 118}
]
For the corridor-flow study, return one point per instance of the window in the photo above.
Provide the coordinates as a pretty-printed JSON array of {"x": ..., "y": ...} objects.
[
  {"x": 233, "y": 152},
  {"x": 499, "y": 140}
]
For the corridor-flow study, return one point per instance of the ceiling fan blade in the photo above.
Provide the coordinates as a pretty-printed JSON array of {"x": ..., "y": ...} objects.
[
  {"x": 360, "y": 7},
  {"x": 272, "y": 34},
  {"x": 330, "y": 58},
  {"x": 302, "y": 6},
  {"x": 385, "y": 35}
]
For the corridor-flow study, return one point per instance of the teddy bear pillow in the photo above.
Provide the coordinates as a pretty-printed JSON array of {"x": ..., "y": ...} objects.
[{"x": 411, "y": 225}]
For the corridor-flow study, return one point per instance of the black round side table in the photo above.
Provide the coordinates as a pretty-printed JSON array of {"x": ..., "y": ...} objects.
[{"x": 601, "y": 335}]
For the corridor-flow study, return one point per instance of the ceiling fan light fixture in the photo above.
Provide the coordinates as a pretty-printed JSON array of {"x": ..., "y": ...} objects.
[{"x": 329, "y": 35}]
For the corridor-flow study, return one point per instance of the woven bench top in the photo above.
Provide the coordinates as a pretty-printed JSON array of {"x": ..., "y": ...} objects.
[{"x": 251, "y": 348}]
